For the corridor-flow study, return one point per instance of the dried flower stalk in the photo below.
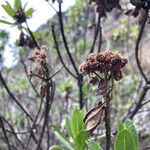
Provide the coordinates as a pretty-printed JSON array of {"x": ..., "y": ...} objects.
[{"x": 102, "y": 68}]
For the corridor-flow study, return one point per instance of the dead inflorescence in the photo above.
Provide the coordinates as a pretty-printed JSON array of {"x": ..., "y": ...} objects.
[
  {"x": 39, "y": 55},
  {"x": 141, "y": 10},
  {"x": 102, "y": 68},
  {"x": 20, "y": 16},
  {"x": 104, "y": 6},
  {"x": 104, "y": 62},
  {"x": 25, "y": 40}
]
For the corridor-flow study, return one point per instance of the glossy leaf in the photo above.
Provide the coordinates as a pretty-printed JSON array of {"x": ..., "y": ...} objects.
[
  {"x": 61, "y": 137},
  {"x": 94, "y": 146},
  {"x": 9, "y": 10},
  {"x": 29, "y": 12},
  {"x": 124, "y": 141},
  {"x": 17, "y": 4},
  {"x": 77, "y": 124},
  {"x": 80, "y": 140}
]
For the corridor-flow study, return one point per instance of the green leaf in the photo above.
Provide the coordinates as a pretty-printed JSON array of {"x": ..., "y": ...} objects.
[
  {"x": 124, "y": 141},
  {"x": 80, "y": 140},
  {"x": 130, "y": 127},
  {"x": 61, "y": 137},
  {"x": 120, "y": 126},
  {"x": 17, "y": 4},
  {"x": 6, "y": 22},
  {"x": 55, "y": 147},
  {"x": 9, "y": 10},
  {"x": 68, "y": 125},
  {"x": 29, "y": 12},
  {"x": 94, "y": 146},
  {"x": 77, "y": 123}
]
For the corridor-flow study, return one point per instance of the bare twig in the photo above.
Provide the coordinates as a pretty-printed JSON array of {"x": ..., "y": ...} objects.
[
  {"x": 64, "y": 38},
  {"x": 32, "y": 36},
  {"x": 132, "y": 111},
  {"x": 52, "y": 7},
  {"x": 135, "y": 107},
  {"x": 34, "y": 125},
  {"x": 148, "y": 101},
  {"x": 80, "y": 84},
  {"x": 138, "y": 105},
  {"x": 100, "y": 39},
  {"x": 12, "y": 130},
  {"x": 25, "y": 69},
  {"x": 14, "y": 98},
  {"x": 49, "y": 100},
  {"x": 78, "y": 76},
  {"x": 5, "y": 134},
  {"x": 58, "y": 52},
  {"x": 108, "y": 125},
  {"x": 137, "y": 48},
  {"x": 98, "y": 28}
]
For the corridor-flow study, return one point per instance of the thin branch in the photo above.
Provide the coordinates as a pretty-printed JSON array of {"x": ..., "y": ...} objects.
[
  {"x": 48, "y": 104},
  {"x": 148, "y": 101},
  {"x": 48, "y": 134},
  {"x": 4, "y": 132},
  {"x": 100, "y": 38},
  {"x": 12, "y": 130},
  {"x": 80, "y": 84},
  {"x": 14, "y": 98},
  {"x": 32, "y": 36},
  {"x": 50, "y": 90},
  {"x": 55, "y": 74},
  {"x": 25, "y": 69},
  {"x": 132, "y": 111},
  {"x": 58, "y": 52},
  {"x": 52, "y": 7},
  {"x": 34, "y": 125},
  {"x": 64, "y": 38},
  {"x": 108, "y": 125},
  {"x": 18, "y": 132},
  {"x": 137, "y": 48},
  {"x": 98, "y": 27}
]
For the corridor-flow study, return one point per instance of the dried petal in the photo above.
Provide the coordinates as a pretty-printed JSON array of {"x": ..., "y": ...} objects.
[
  {"x": 94, "y": 117},
  {"x": 42, "y": 91}
]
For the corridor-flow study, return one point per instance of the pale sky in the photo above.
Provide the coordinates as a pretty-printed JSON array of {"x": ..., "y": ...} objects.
[{"x": 41, "y": 15}]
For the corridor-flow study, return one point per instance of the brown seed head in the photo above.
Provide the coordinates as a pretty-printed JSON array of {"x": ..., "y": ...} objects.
[
  {"x": 39, "y": 55},
  {"x": 104, "y": 62}
]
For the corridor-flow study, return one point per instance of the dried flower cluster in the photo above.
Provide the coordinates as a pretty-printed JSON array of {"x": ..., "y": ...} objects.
[
  {"x": 20, "y": 16},
  {"x": 103, "y": 6},
  {"x": 140, "y": 11},
  {"x": 104, "y": 62},
  {"x": 39, "y": 55},
  {"x": 25, "y": 40}
]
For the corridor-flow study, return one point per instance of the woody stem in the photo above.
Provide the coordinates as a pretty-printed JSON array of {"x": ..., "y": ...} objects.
[{"x": 108, "y": 125}]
